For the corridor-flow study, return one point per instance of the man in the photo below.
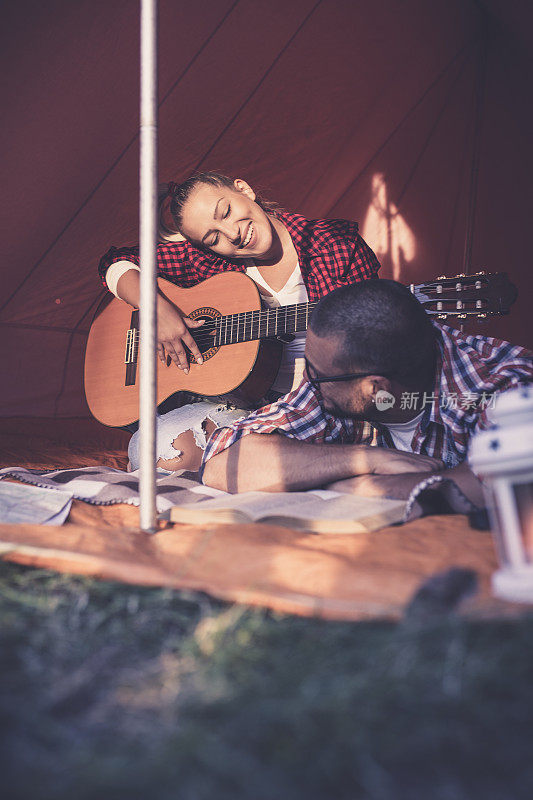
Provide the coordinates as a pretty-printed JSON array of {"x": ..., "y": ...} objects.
[{"x": 378, "y": 371}]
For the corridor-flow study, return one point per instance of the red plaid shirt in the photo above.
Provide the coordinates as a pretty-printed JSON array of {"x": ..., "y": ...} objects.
[
  {"x": 470, "y": 370},
  {"x": 331, "y": 253}
]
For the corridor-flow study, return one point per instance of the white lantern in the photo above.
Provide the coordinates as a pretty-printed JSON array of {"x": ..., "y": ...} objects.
[{"x": 503, "y": 458}]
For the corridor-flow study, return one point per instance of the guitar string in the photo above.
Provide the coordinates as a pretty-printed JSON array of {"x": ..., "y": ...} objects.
[
  {"x": 283, "y": 316},
  {"x": 258, "y": 319},
  {"x": 262, "y": 316}
]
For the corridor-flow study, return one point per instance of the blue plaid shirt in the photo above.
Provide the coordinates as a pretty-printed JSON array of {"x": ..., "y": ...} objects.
[{"x": 470, "y": 371}]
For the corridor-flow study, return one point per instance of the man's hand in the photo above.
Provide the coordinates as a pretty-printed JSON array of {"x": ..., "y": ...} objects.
[
  {"x": 395, "y": 487},
  {"x": 468, "y": 483},
  {"x": 386, "y": 461},
  {"x": 399, "y": 487}
]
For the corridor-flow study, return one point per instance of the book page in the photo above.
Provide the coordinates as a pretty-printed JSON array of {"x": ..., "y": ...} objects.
[
  {"x": 301, "y": 509},
  {"x": 20, "y": 503},
  {"x": 250, "y": 504}
]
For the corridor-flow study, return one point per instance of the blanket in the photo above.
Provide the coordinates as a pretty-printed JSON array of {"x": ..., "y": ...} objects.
[
  {"x": 103, "y": 486},
  {"x": 367, "y": 576}
]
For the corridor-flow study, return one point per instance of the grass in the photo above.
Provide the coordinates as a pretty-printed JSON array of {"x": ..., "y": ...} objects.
[{"x": 111, "y": 691}]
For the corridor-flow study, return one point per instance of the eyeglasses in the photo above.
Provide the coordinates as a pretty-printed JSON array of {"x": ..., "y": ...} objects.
[{"x": 316, "y": 381}]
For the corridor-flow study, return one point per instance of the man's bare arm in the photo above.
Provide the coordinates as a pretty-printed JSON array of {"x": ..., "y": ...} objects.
[
  {"x": 399, "y": 486},
  {"x": 276, "y": 463}
]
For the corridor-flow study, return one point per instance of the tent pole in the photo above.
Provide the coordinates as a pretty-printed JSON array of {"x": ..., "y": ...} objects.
[
  {"x": 148, "y": 243},
  {"x": 479, "y": 97}
]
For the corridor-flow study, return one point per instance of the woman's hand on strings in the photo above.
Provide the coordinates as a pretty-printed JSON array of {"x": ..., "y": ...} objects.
[{"x": 173, "y": 334}]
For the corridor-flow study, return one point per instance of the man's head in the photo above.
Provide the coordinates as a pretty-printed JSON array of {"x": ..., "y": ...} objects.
[{"x": 377, "y": 332}]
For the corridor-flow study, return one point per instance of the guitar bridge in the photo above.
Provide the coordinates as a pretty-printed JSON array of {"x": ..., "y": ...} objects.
[{"x": 132, "y": 349}]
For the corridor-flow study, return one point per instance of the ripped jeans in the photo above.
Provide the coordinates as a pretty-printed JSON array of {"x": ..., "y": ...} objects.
[{"x": 189, "y": 417}]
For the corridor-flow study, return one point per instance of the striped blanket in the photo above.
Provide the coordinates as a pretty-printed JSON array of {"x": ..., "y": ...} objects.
[{"x": 104, "y": 486}]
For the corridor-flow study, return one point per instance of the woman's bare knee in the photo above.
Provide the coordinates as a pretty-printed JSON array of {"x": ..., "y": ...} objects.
[{"x": 188, "y": 456}]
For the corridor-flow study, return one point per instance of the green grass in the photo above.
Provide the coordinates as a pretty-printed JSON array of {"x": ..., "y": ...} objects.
[{"x": 110, "y": 691}]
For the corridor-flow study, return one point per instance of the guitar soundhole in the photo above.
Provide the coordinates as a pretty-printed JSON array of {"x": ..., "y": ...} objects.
[{"x": 205, "y": 336}]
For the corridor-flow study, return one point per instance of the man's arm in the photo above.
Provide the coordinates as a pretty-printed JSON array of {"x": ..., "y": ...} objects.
[
  {"x": 276, "y": 463},
  {"x": 400, "y": 486}
]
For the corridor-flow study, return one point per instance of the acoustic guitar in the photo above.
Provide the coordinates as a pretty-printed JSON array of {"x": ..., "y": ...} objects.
[{"x": 240, "y": 341}]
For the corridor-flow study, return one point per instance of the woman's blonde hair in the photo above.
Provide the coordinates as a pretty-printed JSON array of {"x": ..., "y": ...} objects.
[{"x": 173, "y": 196}]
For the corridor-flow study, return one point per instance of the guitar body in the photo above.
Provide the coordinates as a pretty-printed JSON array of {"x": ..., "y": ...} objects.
[{"x": 242, "y": 372}]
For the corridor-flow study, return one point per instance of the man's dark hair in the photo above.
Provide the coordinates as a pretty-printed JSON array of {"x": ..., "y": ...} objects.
[{"x": 383, "y": 329}]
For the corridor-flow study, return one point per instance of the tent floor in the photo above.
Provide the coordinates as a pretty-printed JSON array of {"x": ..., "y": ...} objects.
[{"x": 335, "y": 577}]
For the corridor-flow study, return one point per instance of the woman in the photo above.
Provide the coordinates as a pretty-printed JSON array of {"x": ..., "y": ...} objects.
[{"x": 219, "y": 224}]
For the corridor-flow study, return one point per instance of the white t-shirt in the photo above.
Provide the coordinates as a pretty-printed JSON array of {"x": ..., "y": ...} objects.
[
  {"x": 115, "y": 272},
  {"x": 292, "y": 363},
  {"x": 402, "y": 432}
]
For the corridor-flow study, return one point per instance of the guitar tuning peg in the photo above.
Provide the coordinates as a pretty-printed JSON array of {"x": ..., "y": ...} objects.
[
  {"x": 481, "y": 316},
  {"x": 481, "y": 272},
  {"x": 461, "y": 275},
  {"x": 440, "y": 278},
  {"x": 442, "y": 316},
  {"x": 461, "y": 316}
]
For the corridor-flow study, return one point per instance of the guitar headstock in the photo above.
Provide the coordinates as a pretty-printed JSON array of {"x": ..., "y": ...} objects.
[{"x": 481, "y": 295}]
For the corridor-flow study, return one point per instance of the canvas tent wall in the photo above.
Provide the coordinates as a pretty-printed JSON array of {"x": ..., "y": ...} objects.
[{"x": 334, "y": 108}]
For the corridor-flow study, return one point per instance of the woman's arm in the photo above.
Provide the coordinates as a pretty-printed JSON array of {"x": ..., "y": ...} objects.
[{"x": 172, "y": 327}]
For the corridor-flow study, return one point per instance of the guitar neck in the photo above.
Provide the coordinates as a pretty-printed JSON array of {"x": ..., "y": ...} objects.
[
  {"x": 262, "y": 324},
  {"x": 479, "y": 295}
]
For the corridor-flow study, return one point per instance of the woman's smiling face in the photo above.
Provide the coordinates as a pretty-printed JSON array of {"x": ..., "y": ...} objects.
[{"x": 227, "y": 221}]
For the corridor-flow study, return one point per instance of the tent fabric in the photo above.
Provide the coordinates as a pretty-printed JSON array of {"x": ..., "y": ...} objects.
[
  {"x": 334, "y": 108},
  {"x": 367, "y": 576},
  {"x": 45, "y": 444}
]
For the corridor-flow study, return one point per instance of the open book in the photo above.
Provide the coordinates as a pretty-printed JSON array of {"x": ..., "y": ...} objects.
[{"x": 319, "y": 511}]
